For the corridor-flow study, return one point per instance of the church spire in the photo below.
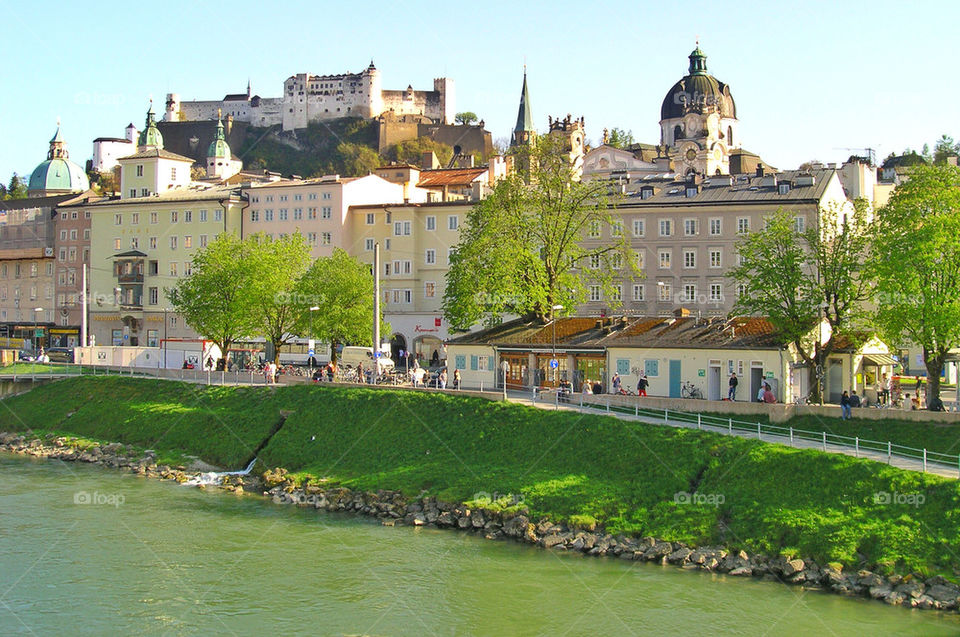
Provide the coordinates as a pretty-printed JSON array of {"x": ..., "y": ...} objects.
[{"x": 524, "y": 130}]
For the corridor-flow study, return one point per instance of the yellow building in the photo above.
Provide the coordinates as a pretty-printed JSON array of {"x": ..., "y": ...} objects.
[
  {"x": 144, "y": 241},
  {"x": 140, "y": 248},
  {"x": 416, "y": 241}
]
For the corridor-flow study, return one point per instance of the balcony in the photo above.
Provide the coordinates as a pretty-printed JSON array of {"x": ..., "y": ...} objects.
[{"x": 131, "y": 277}]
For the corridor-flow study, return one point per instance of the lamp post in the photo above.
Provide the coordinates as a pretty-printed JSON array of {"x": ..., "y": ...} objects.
[
  {"x": 35, "y": 310},
  {"x": 553, "y": 319},
  {"x": 165, "y": 310},
  {"x": 310, "y": 344}
]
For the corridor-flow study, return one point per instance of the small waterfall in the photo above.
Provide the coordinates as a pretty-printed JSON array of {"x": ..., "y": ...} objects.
[{"x": 212, "y": 478}]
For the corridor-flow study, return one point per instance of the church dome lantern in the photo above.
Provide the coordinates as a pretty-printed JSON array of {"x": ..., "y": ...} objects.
[{"x": 57, "y": 174}]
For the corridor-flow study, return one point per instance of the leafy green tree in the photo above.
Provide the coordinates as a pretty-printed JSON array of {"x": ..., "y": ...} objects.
[
  {"x": 619, "y": 138},
  {"x": 356, "y": 160},
  {"x": 945, "y": 147},
  {"x": 797, "y": 278},
  {"x": 533, "y": 244},
  {"x": 277, "y": 267},
  {"x": 916, "y": 262},
  {"x": 215, "y": 299},
  {"x": 411, "y": 151},
  {"x": 17, "y": 189},
  {"x": 341, "y": 288},
  {"x": 467, "y": 118}
]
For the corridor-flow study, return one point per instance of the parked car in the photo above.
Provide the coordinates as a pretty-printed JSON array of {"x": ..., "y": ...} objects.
[
  {"x": 60, "y": 354},
  {"x": 27, "y": 355}
]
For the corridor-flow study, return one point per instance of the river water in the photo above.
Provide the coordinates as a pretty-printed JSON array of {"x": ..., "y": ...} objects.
[{"x": 90, "y": 551}]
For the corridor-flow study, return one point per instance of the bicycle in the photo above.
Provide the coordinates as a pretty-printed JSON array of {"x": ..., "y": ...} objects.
[{"x": 689, "y": 390}]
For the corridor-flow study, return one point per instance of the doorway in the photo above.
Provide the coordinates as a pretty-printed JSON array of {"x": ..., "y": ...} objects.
[
  {"x": 756, "y": 382},
  {"x": 517, "y": 369},
  {"x": 834, "y": 380},
  {"x": 398, "y": 344},
  {"x": 714, "y": 386},
  {"x": 676, "y": 379}
]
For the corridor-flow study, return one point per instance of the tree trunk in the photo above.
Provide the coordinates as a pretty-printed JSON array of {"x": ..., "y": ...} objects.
[
  {"x": 934, "y": 365},
  {"x": 815, "y": 395}
]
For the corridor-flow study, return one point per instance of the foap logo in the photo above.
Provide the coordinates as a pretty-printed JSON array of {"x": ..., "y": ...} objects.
[
  {"x": 899, "y": 499},
  {"x": 99, "y": 499},
  {"x": 703, "y": 499},
  {"x": 503, "y": 499}
]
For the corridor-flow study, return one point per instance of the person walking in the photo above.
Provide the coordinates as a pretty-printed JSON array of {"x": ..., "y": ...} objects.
[
  {"x": 443, "y": 379},
  {"x": 642, "y": 385},
  {"x": 616, "y": 383},
  {"x": 732, "y": 392},
  {"x": 360, "y": 373},
  {"x": 845, "y": 406},
  {"x": 456, "y": 379},
  {"x": 760, "y": 392}
]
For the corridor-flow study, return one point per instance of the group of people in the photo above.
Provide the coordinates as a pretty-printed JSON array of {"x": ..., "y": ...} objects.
[{"x": 270, "y": 373}]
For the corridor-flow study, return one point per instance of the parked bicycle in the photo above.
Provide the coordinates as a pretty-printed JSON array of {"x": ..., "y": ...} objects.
[{"x": 689, "y": 390}]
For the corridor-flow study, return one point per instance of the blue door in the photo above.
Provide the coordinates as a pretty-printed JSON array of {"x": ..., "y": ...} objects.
[{"x": 675, "y": 380}]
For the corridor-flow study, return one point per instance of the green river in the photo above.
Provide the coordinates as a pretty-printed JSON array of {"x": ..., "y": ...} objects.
[{"x": 91, "y": 551}]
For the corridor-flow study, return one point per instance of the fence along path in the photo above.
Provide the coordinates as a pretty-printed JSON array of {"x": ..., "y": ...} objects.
[{"x": 900, "y": 456}]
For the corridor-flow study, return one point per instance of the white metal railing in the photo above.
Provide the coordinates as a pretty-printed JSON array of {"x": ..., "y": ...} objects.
[{"x": 826, "y": 441}]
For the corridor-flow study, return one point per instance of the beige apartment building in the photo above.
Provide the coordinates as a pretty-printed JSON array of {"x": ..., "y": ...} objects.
[
  {"x": 416, "y": 240},
  {"x": 684, "y": 235},
  {"x": 317, "y": 208}
]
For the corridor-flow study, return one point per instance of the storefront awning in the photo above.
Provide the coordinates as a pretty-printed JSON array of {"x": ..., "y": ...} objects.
[{"x": 878, "y": 360}]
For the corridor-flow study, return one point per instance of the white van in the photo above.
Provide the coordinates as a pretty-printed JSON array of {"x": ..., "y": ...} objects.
[{"x": 353, "y": 355}]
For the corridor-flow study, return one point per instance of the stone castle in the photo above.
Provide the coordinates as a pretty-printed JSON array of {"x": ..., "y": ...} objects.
[{"x": 309, "y": 98}]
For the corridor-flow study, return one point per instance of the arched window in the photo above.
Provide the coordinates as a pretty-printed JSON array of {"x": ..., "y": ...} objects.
[
  {"x": 677, "y": 132},
  {"x": 729, "y": 136}
]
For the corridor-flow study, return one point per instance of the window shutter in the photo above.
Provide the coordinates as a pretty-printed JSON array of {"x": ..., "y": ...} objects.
[
  {"x": 473, "y": 363},
  {"x": 460, "y": 362},
  {"x": 490, "y": 366}
]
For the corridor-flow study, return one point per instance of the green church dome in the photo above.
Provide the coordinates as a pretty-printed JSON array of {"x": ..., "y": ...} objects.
[
  {"x": 219, "y": 147},
  {"x": 150, "y": 135},
  {"x": 57, "y": 174},
  {"x": 698, "y": 92}
]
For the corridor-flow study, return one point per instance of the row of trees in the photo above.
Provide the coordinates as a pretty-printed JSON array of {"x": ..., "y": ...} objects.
[{"x": 253, "y": 287}]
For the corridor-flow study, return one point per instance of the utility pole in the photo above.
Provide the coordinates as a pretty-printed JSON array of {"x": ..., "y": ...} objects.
[
  {"x": 83, "y": 301},
  {"x": 376, "y": 308}
]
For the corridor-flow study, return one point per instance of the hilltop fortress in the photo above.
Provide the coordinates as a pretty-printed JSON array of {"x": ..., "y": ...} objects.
[{"x": 308, "y": 98}]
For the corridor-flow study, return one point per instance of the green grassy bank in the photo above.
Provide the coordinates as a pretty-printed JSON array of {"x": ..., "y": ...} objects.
[{"x": 627, "y": 476}]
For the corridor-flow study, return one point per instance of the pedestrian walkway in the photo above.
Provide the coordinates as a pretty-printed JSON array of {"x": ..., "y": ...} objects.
[{"x": 797, "y": 443}]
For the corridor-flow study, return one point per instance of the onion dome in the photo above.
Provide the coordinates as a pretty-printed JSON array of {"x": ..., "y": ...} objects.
[{"x": 150, "y": 136}]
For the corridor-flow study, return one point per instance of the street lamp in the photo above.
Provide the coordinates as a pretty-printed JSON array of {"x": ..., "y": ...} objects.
[
  {"x": 553, "y": 319},
  {"x": 309, "y": 353},
  {"x": 35, "y": 310}
]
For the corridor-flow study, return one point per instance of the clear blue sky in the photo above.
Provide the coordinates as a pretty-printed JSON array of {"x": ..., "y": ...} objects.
[{"x": 806, "y": 80}]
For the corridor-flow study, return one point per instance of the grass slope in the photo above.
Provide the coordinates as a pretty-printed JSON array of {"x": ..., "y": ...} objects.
[{"x": 625, "y": 475}]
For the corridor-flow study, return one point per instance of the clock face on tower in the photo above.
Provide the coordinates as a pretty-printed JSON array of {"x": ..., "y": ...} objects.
[{"x": 691, "y": 155}]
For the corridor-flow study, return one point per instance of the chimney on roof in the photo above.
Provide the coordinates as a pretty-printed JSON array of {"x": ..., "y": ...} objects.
[
  {"x": 430, "y": 161},
  {"x": 759, "y": 170}
]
